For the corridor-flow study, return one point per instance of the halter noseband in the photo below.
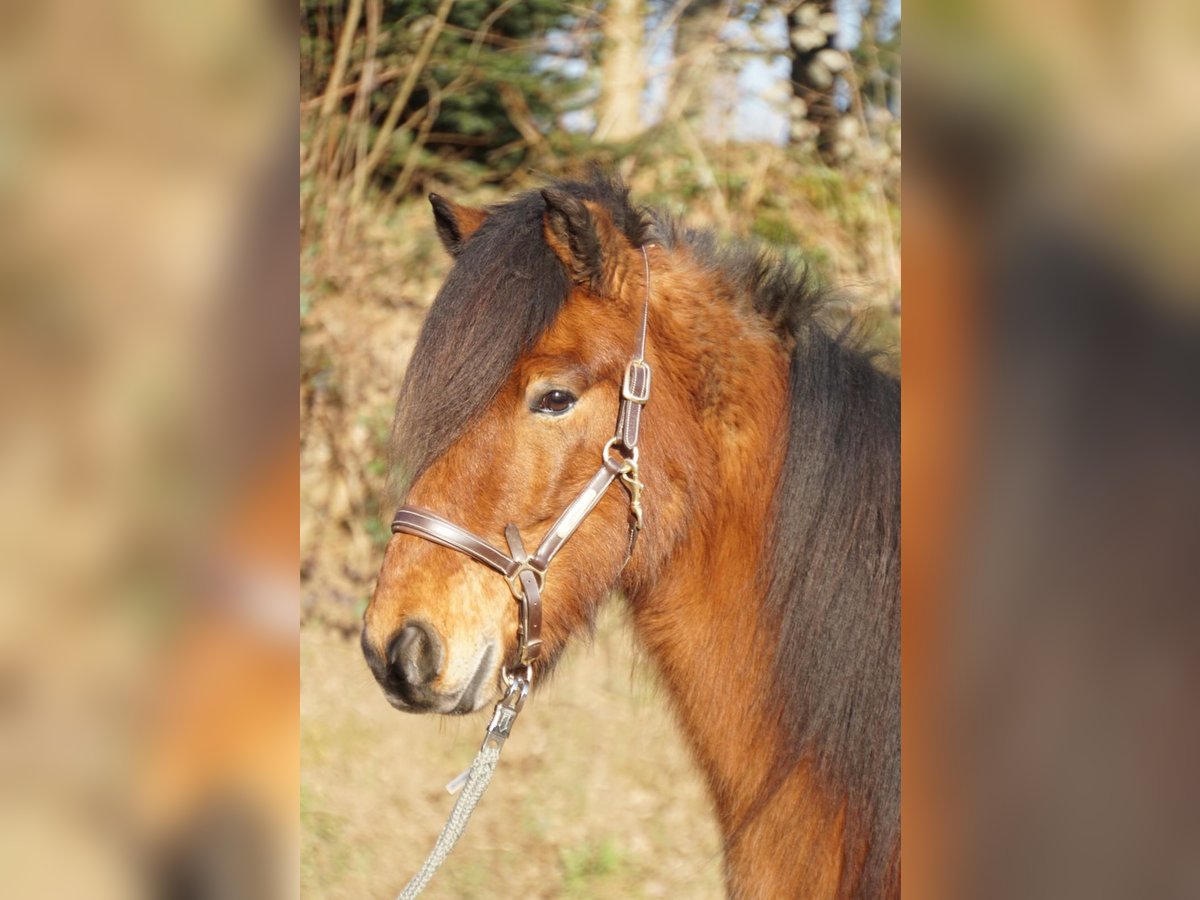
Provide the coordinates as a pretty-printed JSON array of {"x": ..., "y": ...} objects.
[{"x": 525, "y": 574}]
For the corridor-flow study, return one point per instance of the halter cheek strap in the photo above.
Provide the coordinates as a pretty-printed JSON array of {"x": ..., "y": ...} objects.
[{"x": 526, "y": 575}]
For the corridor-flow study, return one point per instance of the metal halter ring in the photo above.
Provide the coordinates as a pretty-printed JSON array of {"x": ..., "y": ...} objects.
[
  {"x": 514, "y": 580},
  {"x": 628, "y": 463},
  {"x": 513, "y": 683}
]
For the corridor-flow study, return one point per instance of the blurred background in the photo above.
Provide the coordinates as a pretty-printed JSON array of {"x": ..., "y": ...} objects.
[{"x": 776, "y": 122}]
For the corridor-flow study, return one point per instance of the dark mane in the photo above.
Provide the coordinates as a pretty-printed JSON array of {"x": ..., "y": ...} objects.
[
  {"x": 835, "y": 583},
  {"x": 835, "y": 571},
  {"x": 780, "y": 289},
  {"x": 505, "y": 289}
]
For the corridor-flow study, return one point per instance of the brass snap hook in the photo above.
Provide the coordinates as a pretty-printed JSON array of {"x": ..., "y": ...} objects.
[
  {"x": 630, "y": 475},
  {"x": 634, "y": 485}
]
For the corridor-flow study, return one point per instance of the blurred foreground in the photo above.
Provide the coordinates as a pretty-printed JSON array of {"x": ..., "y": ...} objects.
[
  {"x": 148, "y": 626},
  {"x": 1051, "y": 447}
]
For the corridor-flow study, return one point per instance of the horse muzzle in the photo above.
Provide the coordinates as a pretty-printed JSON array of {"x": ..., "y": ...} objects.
[{"x": 415, "y": 676}]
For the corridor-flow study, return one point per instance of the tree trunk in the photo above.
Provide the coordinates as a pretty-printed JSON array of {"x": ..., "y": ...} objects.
[
  {"x": 622, "y": 73},
  {"x": 694, "y": 66},
  {"x": 812, "y": 28}
]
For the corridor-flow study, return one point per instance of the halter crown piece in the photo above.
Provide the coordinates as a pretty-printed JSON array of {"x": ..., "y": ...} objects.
[{"x": 526, "y": 577}]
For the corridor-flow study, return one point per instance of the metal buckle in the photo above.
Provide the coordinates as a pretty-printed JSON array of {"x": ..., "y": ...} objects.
[
  {"x": 514, "y": 580},
  {"x": 531, "y": 648},
  {"x": 628, "y": 390}
]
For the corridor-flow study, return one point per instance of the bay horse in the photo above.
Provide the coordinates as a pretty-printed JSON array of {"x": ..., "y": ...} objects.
[{"x": 764, "y": 582}]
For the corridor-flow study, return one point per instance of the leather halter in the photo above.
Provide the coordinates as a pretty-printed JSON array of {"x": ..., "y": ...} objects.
[{"x": 525, "y": 574}]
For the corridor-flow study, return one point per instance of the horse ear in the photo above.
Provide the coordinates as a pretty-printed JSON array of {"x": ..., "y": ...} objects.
[
  {"x": 573, "y": 234},
  {"x": 455, "y": 223}
]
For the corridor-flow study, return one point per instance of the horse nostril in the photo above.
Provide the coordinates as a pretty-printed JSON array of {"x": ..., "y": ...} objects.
[{"x": 415, "y": 654}]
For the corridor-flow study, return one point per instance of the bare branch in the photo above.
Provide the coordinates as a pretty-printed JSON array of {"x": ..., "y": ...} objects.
[
  {"x": 342, "y": 59},
  {"x": 521, "y": 116},
  {"x": 706, "y": 172},
  {"x": 419, "y": 140},
  {"x": 363, "y": 171}
]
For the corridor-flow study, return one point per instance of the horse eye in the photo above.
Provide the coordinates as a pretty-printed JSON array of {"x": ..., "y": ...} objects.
[{"x": 555, "y": 402}]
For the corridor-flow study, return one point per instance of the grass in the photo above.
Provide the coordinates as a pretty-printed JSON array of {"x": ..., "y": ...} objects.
[
  {"x": 323, "y": 856},
  {"x": 576, "y": 810},
  {"x": 587, "y": 866}
]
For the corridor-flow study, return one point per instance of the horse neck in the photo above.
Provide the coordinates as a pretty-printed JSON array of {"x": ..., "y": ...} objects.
[{"x": 713, "y": 443}]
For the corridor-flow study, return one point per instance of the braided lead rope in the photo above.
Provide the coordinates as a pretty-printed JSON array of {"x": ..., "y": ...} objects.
[
  {"x": 480, "y": 775},
  {"x": 477, "y": 779}
]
